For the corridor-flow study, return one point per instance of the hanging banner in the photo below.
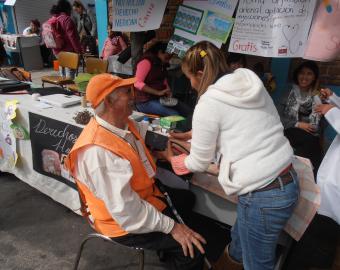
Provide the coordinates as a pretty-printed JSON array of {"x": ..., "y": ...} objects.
[
  {"x": 324, "y": 38},
  {"x": 226, "y": 7},
  {"x": 137, "y": 15},
  {"x": 272, "y": 28},
  {"x": 51, "y": 141}
]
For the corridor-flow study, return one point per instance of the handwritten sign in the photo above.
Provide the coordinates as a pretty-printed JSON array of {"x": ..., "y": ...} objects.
[
  {"x": 51, "y": 141},
  {"x": 324, "y": 37},
  {"x": 272, "y": 28},
  {"x": 137, "y": 15}
]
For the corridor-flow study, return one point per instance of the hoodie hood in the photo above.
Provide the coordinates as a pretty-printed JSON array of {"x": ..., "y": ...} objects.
[{"x": 242, "y": 88}]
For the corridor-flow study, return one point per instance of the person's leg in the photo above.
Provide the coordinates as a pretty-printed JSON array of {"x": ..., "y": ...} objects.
[
  {"x": 261, "y": 218},
  {"x": 216, "y": 234},
  {"x": 164, "y": 242},
  {"x": 155, "y": 107}
]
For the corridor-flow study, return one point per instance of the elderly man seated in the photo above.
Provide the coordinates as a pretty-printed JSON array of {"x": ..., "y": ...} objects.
[{"x": 115, "y": 171}]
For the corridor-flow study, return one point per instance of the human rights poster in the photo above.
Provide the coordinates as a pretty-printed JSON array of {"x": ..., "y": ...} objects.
[
  {"x": 272, "y": 28},
  {"x": 324, "y": 38},
  {"x": 51, "y": 141},
  {"x": 137, "y": 15}
]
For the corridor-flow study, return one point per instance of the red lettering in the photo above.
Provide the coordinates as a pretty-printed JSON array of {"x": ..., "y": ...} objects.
[
  {"x": 244, "y": 47},
  {"x": 143, "y": 20}
]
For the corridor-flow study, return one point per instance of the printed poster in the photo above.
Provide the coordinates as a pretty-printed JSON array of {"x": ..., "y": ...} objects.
[
  {"x": 324, "y": 37},
  {"x": 51, "y": 141},
  {"x": 188, "y": 19},
  {"x": 179, "y": 45},
  {"x": 273, "y": 28},
  {"x": 216, "y": 26},
  {"x": 137, "y": 15}
]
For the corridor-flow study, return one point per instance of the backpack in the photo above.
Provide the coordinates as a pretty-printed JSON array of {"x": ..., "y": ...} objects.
[{"x": 51, "y": 34}]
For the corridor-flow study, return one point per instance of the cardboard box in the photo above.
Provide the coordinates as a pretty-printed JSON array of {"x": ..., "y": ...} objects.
[{"x": 171, "y": 122}]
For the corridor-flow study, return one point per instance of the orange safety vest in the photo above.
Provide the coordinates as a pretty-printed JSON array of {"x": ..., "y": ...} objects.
[{"x": 141, "y": 183}]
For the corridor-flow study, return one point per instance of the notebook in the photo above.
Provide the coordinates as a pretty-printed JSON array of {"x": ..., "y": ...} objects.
[{"x": 60, "y": 100}]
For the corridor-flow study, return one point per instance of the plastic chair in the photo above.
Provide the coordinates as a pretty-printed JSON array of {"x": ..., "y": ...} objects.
[
  {"x": 85, "y": 213},
  {"x": 93, "y": 66},
  {"x": 67, "y": 60}
]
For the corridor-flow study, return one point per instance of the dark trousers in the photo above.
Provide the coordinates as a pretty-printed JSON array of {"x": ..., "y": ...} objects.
[
  {"x": 217, "y": 235},
  {"x": 305, "y": 145}
]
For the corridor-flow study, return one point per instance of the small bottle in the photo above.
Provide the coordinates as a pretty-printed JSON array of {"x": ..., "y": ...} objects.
[{"x": 144, "y": 125}]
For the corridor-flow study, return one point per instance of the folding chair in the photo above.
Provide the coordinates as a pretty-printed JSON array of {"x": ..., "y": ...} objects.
[
  {"x": 85, "y": 213},
  {"x": 67, "y": 60}
]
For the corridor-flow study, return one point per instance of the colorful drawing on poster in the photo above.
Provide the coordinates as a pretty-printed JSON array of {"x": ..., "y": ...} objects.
[
  {"x": 216, "y": 26},
  {"x": 179, "y": 45},
  {"x": 19, "y": 132},
  {"x": 328, "y": 6},
  {"x": 7, "y": 143},
  {"x": 188, "y": 19},
  {"x": 10, "y": 109}
]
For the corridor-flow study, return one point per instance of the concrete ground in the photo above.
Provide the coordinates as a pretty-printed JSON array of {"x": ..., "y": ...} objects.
[{"x": 37, "y": 233}]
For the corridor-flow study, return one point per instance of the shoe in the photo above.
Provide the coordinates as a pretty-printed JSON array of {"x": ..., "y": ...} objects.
[{"x": 225, "y": 262}]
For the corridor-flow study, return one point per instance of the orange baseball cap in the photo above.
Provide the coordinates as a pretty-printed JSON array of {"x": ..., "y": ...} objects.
[{"x": 104, "y": 84}]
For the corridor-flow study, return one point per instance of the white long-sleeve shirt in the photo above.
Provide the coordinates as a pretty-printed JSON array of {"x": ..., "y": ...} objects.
[
  {"x": 108, "y": 177},
  {"x": 328, "y": 174}
]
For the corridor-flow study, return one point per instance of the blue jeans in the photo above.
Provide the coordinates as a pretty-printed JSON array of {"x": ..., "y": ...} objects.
[
  {"x": 67, "y": 72},
  {"x": 155, "y": 107},
  {"x": 261, "y": 216}
]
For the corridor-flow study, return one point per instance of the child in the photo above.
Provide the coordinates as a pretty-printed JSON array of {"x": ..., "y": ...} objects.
[
  {"x": 236, "y": 117},
  {"x": 114, "y": 44}
]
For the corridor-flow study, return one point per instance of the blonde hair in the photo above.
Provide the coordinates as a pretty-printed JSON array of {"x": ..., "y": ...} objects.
[{"x": 206, "y": 57}]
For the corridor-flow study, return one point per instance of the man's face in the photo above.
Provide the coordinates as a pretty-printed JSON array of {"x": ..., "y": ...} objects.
[{"x": 123, "y": 103}]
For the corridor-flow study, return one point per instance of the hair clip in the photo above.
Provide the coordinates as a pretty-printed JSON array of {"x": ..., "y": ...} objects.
[{"x": 203, "y": 53}]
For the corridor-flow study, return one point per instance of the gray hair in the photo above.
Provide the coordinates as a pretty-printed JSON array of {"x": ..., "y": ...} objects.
[{"x": 100, "y": 109}]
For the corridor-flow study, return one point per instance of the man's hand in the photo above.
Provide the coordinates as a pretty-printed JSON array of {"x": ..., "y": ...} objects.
[
  {"x": 306, "y": 127},
  {"x": 325, "y": 93},
  {"x": 184, "y": 136},
  {"x": 187, "y": 238},
  {"x": 323, "y": 108}
]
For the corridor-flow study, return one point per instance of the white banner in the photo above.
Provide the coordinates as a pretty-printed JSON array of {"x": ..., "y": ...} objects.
[
  {"x": 272, "y": 28},
  {"x": 137, "y": 15}
]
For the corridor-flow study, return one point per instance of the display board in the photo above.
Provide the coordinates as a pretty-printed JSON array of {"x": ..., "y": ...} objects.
[
  {"x": 324, "y": 37},
  {"x": 137, "y": 15},
  {"x": 51, "y": 141},
  {"x": 272, "y": 28}
]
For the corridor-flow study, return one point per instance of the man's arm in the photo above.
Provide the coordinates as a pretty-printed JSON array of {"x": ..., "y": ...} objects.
[{"x": 108, "y": 177}]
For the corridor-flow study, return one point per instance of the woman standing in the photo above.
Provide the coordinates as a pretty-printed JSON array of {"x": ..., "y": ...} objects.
[
  {"x": 301, "y": 122},
  {"x": 236, "y": 117},
  {"x": 114, "y": 44}
]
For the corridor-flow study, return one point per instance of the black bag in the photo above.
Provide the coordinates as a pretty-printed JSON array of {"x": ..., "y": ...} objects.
[
  {"x": 125, "y": 55},
  {"x": 7, "y": 86}
]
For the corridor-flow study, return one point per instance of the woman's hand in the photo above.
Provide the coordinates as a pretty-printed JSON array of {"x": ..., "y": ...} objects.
[
  {"x": 306, "y": 127},
  {"x": 323, "y": 108},
  {"x": 183, "y": 136},
  {"x": 165, "y": 92},
  {"x": 325, "y": 93}
]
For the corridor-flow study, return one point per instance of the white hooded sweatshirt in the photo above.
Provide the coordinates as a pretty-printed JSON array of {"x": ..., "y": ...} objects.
[{"x": 237, "y": 117}]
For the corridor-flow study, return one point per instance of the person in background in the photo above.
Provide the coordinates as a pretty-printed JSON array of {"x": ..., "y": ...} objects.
[
  {"x": 299, "y": 118},
  {"x": 87, "y": 27},
  {"x": 266, "y": 77},
  {"x": 114, "y": 44},
  {"x": 328, "y": 177},
  {"x": 62, "y": 11},
  {"x": 152, "y": 83},
  {"x": 34, "y": 29},
  {"x": 115, "y": 172},
  {"x": 235, "y": 61},
  {"x": 236, "y": 117}
]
